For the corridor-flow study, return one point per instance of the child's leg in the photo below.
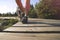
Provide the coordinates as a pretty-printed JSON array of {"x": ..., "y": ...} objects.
[
  {"x": 20, "y": 5},
  {"x": 27, "y": 6}
]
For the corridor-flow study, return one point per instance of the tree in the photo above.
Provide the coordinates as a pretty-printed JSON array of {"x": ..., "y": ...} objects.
[
  {"x": 44, "y": 9},
  {"x": 0, "y": 14},
  {"x": 32, "y": 12}
]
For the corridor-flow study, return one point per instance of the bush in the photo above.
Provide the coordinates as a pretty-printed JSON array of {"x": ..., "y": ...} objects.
[
  {"x": 44, "y": 10},
  {"x": 7, "y": 23},
  {"x": 32, "y": 13}
]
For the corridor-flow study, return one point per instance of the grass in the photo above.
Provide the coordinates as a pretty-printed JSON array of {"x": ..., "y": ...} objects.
[{"x": 7, "y": 23}]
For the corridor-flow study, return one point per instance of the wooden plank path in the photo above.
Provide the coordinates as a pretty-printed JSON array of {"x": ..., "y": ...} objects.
[
  {"x": 36, "y": 25},
  {"x": 29, "y": 36},
  {"x": 9, "y": 18},
  {"x": 36, "y": 29}
]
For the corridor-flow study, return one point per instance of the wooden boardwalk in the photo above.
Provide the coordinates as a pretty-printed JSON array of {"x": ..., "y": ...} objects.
[{"x": 36, "y": 29}]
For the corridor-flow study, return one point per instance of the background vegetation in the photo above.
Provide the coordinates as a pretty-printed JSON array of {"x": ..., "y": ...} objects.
[
  {"x": 9, "y": 14},
  {"x": 43, "y": 9}
]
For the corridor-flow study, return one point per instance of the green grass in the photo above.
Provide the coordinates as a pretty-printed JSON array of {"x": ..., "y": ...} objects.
[{"x": 7, "y": 23}]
